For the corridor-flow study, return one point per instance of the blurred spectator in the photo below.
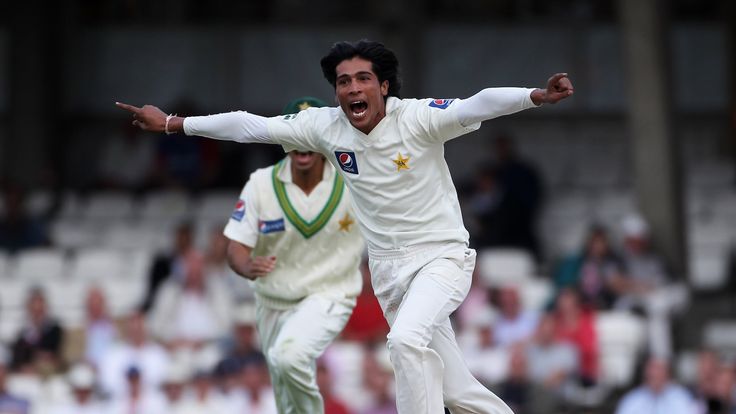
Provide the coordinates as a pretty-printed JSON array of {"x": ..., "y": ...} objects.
[
  {"x": 576, "y": 325},
  {"x": 126, "y": 161},
  {"x": 333, "y": 405},
  {"x": 647, "y": 285},
  {"x": 489, "y": 206},
  {"x": 137, "y": 350},
  {"x": 183, "y": 161},
  {"x": 174, "y": 388},
  {"x": 138, "y": 398},
  {"x": 486, "y": 359},
  {"x": 19, "y": 230},
  {"x": 517, "y": 389},
  {"x": 378, "y": 379},
  {"x": 204, "y": 399},
  {"x": 192, "y": 312},
  {"x": 38, "y": 345},
  {"x": 723, "y": 398},
  {"x": 523, "y": 195},
  {"x": 170, "y": 264},
  {"x": 9, "y": 403},
  {"x": 703, "y": 389},
  {"x": 514, "y": 324},
  {"x": 242, "y": 344},
  {"x": 81, "y": 378},
  {"x": 367, "y": 323},
  {"x": 658, "y": 394},
  {"x": 477, "y": 300},
  {"x": 259, "y": 397},
  {"x": 100, "y": 331},
  {"x": 552, "y": 362},
  {"x": 240, "y": 288},
  {"x": 596, "y": 272}
]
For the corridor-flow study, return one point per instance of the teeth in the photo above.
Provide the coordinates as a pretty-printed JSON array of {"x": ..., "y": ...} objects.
[{"x": 359, "y": 114}]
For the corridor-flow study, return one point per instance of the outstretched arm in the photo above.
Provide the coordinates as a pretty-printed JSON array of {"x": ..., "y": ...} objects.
[
  {"x": 237, "y": 126},
  {"x": 494, "y": 102}
]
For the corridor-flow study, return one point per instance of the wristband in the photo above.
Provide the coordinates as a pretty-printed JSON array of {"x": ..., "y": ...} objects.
[{"x": 166, "y": 126}]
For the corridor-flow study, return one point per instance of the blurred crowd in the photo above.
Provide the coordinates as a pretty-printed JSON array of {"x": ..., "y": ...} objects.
[{"x": 190, "y": 345}]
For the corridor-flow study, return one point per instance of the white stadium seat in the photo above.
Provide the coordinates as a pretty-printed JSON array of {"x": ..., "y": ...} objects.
[
  {"x": 75, "y": 233},
  {"x": 216, "y": 206},
  {"x": 172, "y": 206},
  {"x": 621, "y": 340},
  {"x": 109, "y": 206},
  {"x": 504, "y": 266},
  {"x": 708, "y": 268},
  {"x": 720, "y": 335},
  {"x": 97, "y": 264},
  {"x": 40, "y": 264}
]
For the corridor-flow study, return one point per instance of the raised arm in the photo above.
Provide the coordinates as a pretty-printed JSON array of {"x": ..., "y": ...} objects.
[
  {"x": 494, "y": 102},
  {"x": 231, "y": 126}
]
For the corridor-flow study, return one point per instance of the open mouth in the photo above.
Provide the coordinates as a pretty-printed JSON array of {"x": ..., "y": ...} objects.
[{"x": 358, "y": 108}]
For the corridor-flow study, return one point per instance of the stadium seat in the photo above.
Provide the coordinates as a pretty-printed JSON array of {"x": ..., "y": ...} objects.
[
  {"x": 536, "y": 293},
  {"x": 95, "y": 264},
  {"x": 4, "y": 264},
  {"x": 75, "y": 233},
  {"x": 721, "y": 335},
  {"x": 621, "y": 339},
  {"x": 216, "y": 206},
  {"x": 708, "y": 268},
  {"x": 711, "y": 174},
  {"x": 137, "y": 236},
  {"x": 124, "y": 294},
  {"x": 171, "y": 206},
  {"x": 38, "y": 203},
  {"x": 502, "y": 266},
  {"x": 40, "y": 264},
  {"x": 109, "y": 206}
]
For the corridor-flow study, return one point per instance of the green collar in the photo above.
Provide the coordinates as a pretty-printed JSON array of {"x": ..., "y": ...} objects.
[{"x": 307, "y": 228}]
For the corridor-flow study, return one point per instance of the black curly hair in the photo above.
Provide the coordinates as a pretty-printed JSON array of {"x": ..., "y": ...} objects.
[{"x": 384, "y": 62}]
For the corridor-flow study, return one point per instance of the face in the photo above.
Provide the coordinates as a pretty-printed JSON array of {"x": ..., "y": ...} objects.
[
  {"x": 306, "y": 160},
  {"x": 360, "y": 93}
]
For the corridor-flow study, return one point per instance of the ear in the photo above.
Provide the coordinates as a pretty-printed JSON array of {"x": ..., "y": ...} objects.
[{"x": 384, "y": 88}]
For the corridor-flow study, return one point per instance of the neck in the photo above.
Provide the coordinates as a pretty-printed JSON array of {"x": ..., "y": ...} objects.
[{"x": 307, "y": 180}]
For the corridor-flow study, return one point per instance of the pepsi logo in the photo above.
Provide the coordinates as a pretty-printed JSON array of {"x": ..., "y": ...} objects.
[
  {"x": 239, "y": 205},
  {"x": 346, "y": 159},
  {"x": 439, "y": 101}
]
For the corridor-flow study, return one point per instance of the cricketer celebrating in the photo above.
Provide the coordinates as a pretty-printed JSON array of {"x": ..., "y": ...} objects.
[{"x": 390, "y": 152}]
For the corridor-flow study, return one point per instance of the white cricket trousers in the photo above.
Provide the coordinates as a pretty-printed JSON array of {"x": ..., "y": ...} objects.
[
  {"x": 292, "y": 340},
  {"x": 418, "y": 288}
]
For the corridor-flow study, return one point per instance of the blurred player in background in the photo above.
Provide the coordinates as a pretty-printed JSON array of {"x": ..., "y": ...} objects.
[
  {"x": 391, "y": 153},
  {"x": 293, "y": 233}
]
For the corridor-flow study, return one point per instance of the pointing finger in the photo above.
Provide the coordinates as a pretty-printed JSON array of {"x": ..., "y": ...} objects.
[{"x": 131, "y": 108}]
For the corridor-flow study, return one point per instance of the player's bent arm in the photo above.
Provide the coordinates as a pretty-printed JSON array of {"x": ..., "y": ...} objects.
[{"x": 240, "y": 259}]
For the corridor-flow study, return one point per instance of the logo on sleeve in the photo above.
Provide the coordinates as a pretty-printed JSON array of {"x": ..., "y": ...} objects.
[
  {"x": 347, "y": 162},
  {"x": 441, "y": 103},
  {"x": 271, "y": 226},
  {"x": 239, "y": 211}
]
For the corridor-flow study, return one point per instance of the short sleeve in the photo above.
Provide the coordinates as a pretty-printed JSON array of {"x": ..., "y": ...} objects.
[
  {"x": 294, "y": 131},
  {"x": 436, "y": 119},
  {"x": 242, "y": 226}
]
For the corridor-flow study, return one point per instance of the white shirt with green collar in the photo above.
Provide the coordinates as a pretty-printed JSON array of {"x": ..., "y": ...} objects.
[{"x": 314, "y": 237}]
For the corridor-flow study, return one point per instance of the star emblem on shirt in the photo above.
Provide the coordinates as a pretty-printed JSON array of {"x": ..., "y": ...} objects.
[
  {"x": 402, "y": 163},
  {"x": 346, "y": 222}
]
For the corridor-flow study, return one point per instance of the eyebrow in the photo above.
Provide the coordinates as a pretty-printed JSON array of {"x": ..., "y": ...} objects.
[{"x": 362, "y": 72}]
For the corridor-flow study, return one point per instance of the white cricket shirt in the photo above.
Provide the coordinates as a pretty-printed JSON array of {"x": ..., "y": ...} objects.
[
  {"x": 402, "y": 191},
  {"x": 314, "y": 237}
]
